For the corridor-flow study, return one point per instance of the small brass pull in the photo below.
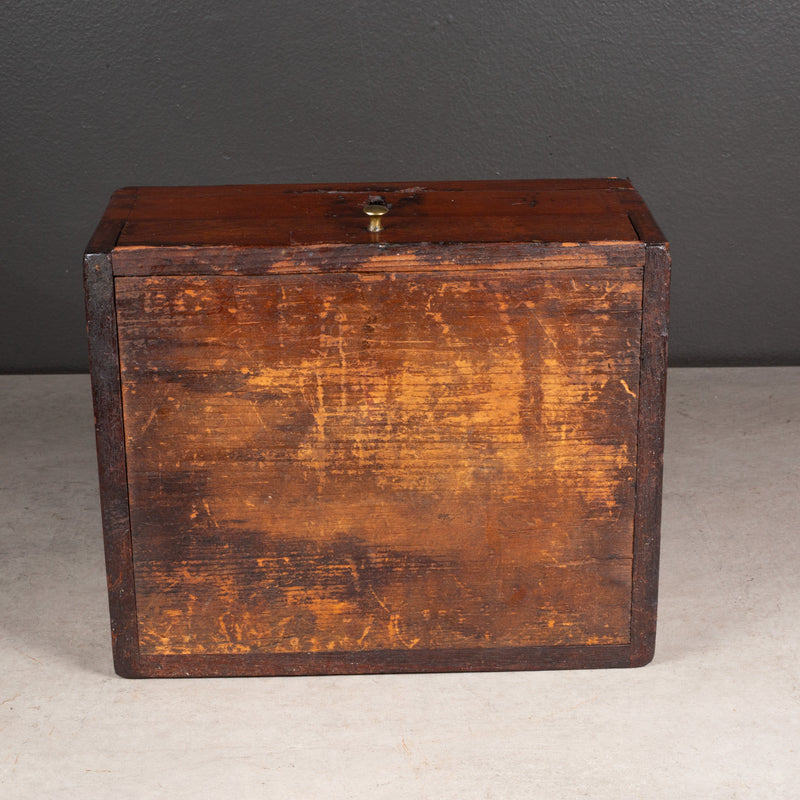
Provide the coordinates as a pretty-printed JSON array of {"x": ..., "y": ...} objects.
[{"x": 375, "y": 211}]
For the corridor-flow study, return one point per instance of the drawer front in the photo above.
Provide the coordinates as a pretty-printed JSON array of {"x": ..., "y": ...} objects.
[{"x": 363, "y": 462}]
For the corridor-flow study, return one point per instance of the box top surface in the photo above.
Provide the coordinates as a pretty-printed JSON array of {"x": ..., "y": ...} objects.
[{"x": 315, "y": 217}]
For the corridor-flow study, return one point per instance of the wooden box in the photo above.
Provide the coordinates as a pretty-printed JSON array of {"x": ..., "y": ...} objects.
[{"x": 433, "y": 447}]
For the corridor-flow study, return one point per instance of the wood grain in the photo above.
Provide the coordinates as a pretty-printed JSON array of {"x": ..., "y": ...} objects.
[
  {"x": 336, "y": 202},
  {"x": 434, "y": 448},
  {"x": 101, "y": 324},
  {"x": 399, "y": 229},
  {"x": 105, "y": 236},
  {"x": 275, "y": 216},
  {"x": 352, "y": 463},
  {"x": 653, "y": 391},
  {"x": 371, "y": 258},
  {"x": 476, "y": 659}
]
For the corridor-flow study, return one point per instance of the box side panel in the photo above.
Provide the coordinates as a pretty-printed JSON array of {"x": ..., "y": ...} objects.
[
  {"x": 360, "y": 463},
  {"x": 653, "y": 385},
  {"x": 107, "y": 398}
]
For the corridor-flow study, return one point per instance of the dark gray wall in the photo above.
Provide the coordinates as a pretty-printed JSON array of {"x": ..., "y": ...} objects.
[{"x": 696, "y": 102}]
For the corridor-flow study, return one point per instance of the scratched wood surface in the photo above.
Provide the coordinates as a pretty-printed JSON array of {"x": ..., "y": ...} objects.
[
  {"x": 360, "y": 462},
  {"x": 297, "y": 216}
]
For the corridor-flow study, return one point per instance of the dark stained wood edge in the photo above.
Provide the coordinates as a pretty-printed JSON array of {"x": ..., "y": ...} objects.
[
  {"x": 158, "y": 261},
  {"x": 107, "y": 398},
  {"x": 642, "y": 220},
  {"x": 650, "y": 445},
  {"x": 116, "y": 214},
  {"x": 385, "y": 661},
  {"x": 101, "y": 326},
  {"x": 544, "y": 184}
]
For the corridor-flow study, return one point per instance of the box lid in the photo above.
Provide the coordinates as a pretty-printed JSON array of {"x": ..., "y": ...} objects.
[{"x": 294, "y": 224}]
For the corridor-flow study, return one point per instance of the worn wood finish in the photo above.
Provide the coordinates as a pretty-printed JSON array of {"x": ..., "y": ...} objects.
[
  {"x": 413, "y": 204},
  {"x": 328, "y": 215},
  {"x": 352, "y": 463},
  {"x": 437, "y": 448},
  {"x": 108, "y": 230},
  {"x": 642, "y": 220},
  {"x": 288, "y": 229},
  {"x": 276, "y": 231},
  {"x": 478, "y": 659},
  {"x": 653, "y": 392},
  {"x": 106, "y": 394},
  {"x": 144, "y": 261}
]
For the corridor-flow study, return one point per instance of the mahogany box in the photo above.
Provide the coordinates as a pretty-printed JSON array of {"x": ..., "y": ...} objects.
[{"x": 379, "y": 428}]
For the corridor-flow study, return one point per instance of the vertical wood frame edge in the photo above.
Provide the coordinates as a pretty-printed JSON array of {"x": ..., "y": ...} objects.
[
  {"x": 101, "y": 327},
  {"x": 647, "y": 516}
]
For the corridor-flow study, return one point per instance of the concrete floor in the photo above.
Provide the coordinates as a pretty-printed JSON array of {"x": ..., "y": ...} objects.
[{"x": 716, "y": 715}]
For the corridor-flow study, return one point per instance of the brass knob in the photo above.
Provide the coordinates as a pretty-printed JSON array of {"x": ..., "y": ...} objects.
[{"x": 375, "y": 211}]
